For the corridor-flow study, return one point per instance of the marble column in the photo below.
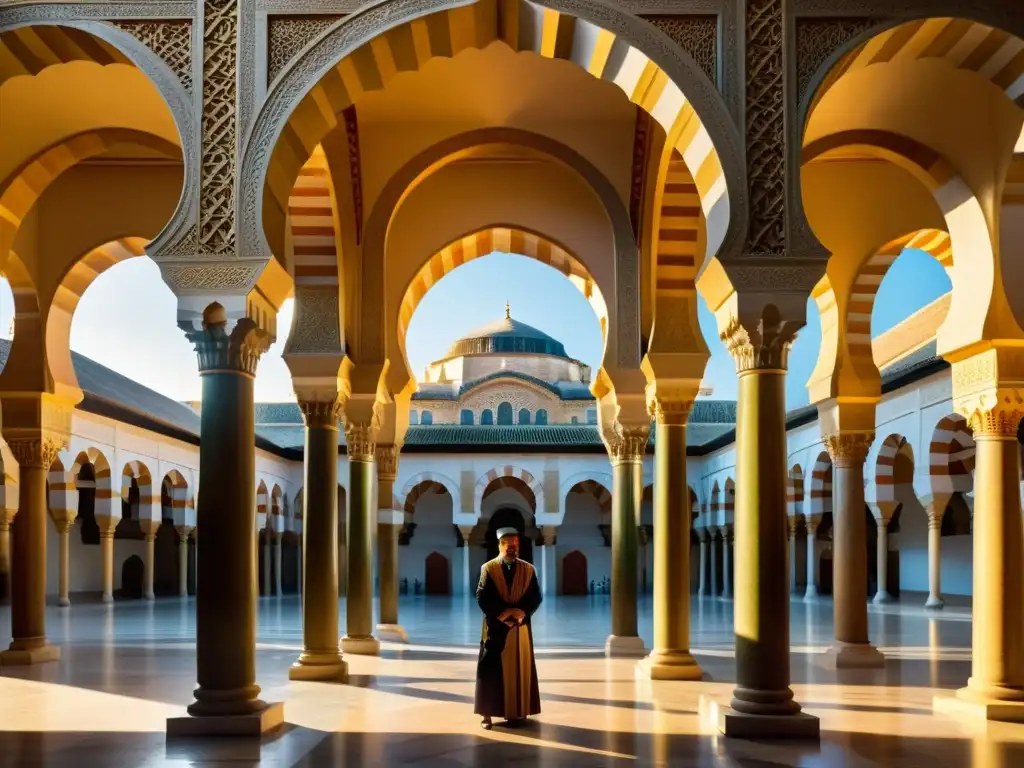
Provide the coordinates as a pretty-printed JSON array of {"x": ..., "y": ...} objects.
[
  {"x": 107, "y": 558},
  {"x": 762, "y": 705},
  {"x": 851, "y": 648},
  {"x": 713, "y": 577},
  {"x": 278, "y": 590},
  {"x": 389, "y": 523},
  {"x": 465, "y": 567},
  {"x": 227, "y": 697},
  {"x": 29, "y": 645},
  {"x": 995, "y": 690},
  {"x": 6, "y": 518},
  {"x": 936, "y": 508},
  {"x": 670, "y": 657},
  {"x": 149, "y": 529},
  {"x": 727, "y": 564},
  {"x": 183, "y": 532},
  {"x": 359, "y": 639},
  {"x": 64, "y": 563},
  {"x": 702, "y": 583},
  {"x": 321, "y": 657},
  {"x": 626, "y": 448},
  {"x": 812, "y": 558},
  {"x": 882, "y": 595}
]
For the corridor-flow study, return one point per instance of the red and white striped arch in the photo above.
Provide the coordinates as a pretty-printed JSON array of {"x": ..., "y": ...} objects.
[
  {"x": 951, "y": 456},
  {"x": 821, "y": 485},
  {"x": 509, "y": 476}
]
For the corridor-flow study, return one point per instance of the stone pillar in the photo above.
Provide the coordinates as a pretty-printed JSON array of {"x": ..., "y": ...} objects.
[
  {"x": 268, "y": 563},
  {"x": 702, "y": 588},
  {"x": 762, "y": 705},
  {"x": 791, "y": 570},
  {"x": 149, "y": 528},
  {"x": 851, "y": 648},
  {"x": 935, "y": 511},
  {"x": 882, "y": 595},
  {"x": 360, "y": 439},
  {"x": 321, "y": 657},
  {"x": 227, "y": 698},
  {"x": 548, "y": 562},
  {"x": 389, "y": 523},
  {"x": 995, "y": 690},
  {"x": 107, "y": 558},
  {"x": 670, "y": 657},
  {"x": 713, "y": 585},
  {"x": 626, "y": 448},
  {"x": 64, "y": 564},
  {"x": 465, "y": 568},
  {"x": 278, "y": 590},
  {"x": 29, "y": 645},
  {"x": 183, "y": 532},
  {"x": 812, "y": 558},
  {"x": 727, "y": 566}
]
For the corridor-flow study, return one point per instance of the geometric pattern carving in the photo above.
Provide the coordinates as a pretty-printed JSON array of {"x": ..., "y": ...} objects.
[
  {"x": 765, "y": 131},
  {"x": 287, "y": 35},
  {"x": 641, "y": 144},
  {"x": 817, "y": 39},
  {"x": 316, "y": 321},
  {"x": 697, "y": 35},
  {"x": 171, "y": 40},
  {"x": 217, "y": 182}
]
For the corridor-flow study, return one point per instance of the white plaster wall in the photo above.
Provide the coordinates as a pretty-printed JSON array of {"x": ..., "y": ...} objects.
[
  {"x": 434, "y": 533},
  {"x": 579, "y": 530},
  {"x": 86, "y": 569}
]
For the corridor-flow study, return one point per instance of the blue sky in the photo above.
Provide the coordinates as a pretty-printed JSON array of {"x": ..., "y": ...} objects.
[{"x": 126, "y": 321}]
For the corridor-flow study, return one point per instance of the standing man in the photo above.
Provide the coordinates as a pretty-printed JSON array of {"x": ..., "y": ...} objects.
[{"x": 506, "y": 673}]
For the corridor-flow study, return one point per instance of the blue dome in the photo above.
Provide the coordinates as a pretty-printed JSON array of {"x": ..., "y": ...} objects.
[{"x": 506, "y": 336}]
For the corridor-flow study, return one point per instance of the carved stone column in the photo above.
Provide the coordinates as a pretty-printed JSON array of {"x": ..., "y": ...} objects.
[
  {"x": 702, "y": 588},
  {"x": 107, "y": 558},
  {"x": 727, "y": 562},
  {"x": 183, "y": 532},
  {"x": 64, "y": 563},
  {"x": 389, "y": 523},
  {"x": 227, "y": 699},
  {"x": 935, "y": 509},
  {"x": 268, "y": 562},
  {"x": 149, "y": 529},
  {"x": 547, "y": 562},
  {"x": 852, "y": 648},
  {"x": 277, "y": 535},
  {"x": 465, "y": 570},
  {"x": 28, "y": 552},
  {"x": 321, "y": 657},
  {"x": 812, "y": 558},
  {"x": 714, "y": 585},
  {"x": 359, "y": 639},
  {"x": 995, "y": 690},
  {"x": 670, "y": 657},
  {"x": 882, "y": 595},
  {"x": 626, "y": 448}
]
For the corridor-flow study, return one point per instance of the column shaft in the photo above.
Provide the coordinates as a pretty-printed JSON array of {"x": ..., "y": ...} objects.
[
  {"x": 702, "y": 583},
  {"x": 277, "y": 565},
  {"x": 183, "y": 564},
  {"x": 882, "y": 546},
  {"x": 727, "y": 565},
  {"x": 713, "y": 575},
  {"x": 150, "y": 567},
  {"x": 935, "y": 556},
  {"x": 226, "y": 565},
  {"x": 792, "y": 570},
  {"x": 387, "y": 563},
  {"x": 107, "y": 563},
  {"x": 812, "y": 562},
  {"x": 359, "y": 547},
  {"x": 268, "y": 564},
  {"x": 627, "y": 481},
  {"x": 5, "y": 557},
  {"x": 762, "y": 598},
  {"x": 670, "y": 658},
  {"x": 321, "y": 657},
  {"x": 849, "y": 585},
  {"x": 63, "y": 574}
]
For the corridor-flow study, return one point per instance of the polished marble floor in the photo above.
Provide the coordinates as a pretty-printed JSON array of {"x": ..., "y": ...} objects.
[{"x": 126, "y": 668}]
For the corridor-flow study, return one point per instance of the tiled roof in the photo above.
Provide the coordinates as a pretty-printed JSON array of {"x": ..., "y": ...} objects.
[{"x": 278, "y": 413}]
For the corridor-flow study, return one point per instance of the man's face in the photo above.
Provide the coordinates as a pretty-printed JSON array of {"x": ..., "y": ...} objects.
[{"x": 509, "y": 547}]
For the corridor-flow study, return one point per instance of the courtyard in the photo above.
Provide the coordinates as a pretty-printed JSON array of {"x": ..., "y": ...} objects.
[{"x": 125, "y": 668}]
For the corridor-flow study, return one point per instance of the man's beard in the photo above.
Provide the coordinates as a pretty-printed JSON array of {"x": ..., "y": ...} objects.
[{"x": 510, "y": 556}]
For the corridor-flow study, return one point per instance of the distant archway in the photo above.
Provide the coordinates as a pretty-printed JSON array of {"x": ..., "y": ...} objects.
[
  {"x": 438, "y": 575},
  {"x": 574, "y": 573},
  {"x": 132, "y": 574}
]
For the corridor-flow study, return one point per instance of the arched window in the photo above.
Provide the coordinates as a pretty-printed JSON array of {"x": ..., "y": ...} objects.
[
  {"x": 504, "y": 413},
  {"x": 487, "y": 417},
  {"x": 427, "y": 417},
  {"x": 524, "y": 416},
  {"x": 542, "y": 417},
  {"x": 414, "y": 417},
  {"x": 591, "y": 415},
  {"x": 466, "y": 418},
  {"x": 575, "y": 420}
]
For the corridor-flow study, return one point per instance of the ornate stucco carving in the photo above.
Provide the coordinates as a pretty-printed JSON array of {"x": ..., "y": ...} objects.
[
  {"x": 37, "y": 452},
  {"x": 695, "y": 34},
  {"x": 669, "y": 410},
  {"x": 848, "y": 449},
  {"x": 387, "y": 462},
  {"x": 217, "y": 183},
  {"x": 355, "y": 169},
  {"x": 765, "y": 130},
  {"x": 361, "y": 441},
  {"x": 287, "y": 35},
  {"x": 200, "y": 278},
  {"x": 170, "y": 39},
  {"x": 988, "y": 391},
  {"x": 626, "y": 443},
  {"x": 817, "y": 39},
  {"x": 638, "y": 174},
  {"x": 765, "y": 347},
  {"x": 324, "y": 414},
  {"x": 221, "y": 348},
  {"x": 316, "y": 323}
]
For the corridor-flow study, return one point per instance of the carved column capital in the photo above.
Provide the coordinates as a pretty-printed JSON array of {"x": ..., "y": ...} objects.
[
  {"x": 626, "y": 443},
  {"x": 361, "y": 441},
  {"x": 764, "y": 347},
  {"x": 998, "y": 419},
  {"x": 387, "y": 463},
  {"x": 323, "y": 414},
  {"x": 38, "y": 452},
  {"x": 794, "y": 526},
  {"x": 988, "y": 391},
  {"x": 228, "y": 349},
  {"x": 671, "y": 411},
  {"x": 848, "y": 449}
]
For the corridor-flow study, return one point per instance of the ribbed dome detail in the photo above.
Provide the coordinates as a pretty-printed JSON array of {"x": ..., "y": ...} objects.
[{"x": 509, "y": 336}]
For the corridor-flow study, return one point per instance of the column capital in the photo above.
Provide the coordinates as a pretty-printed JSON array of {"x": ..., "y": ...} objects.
[
  {"x": 998, "y": 419},
  {"x": 764, "y": 346},
  {"x": 226, "y": 345},
  {"x": 812, "y": 522},
  {"x": 183, "y": 532},
  {"x": 387, "y": 462},
  {"x": 667, "y": 409},
  {"x": 848, "y": 449},
  {"x": 988, "y": 391},
  {"x": 626, "y": 443},
  {"x": 794, "y": 526},
  {"x": 322, "y": 414},
  {"x": 466, "y": 531},
  {"x": 150, "y": 527},
  {"x": 39, "y": 452},
  {"x": 361, "y": 441}
]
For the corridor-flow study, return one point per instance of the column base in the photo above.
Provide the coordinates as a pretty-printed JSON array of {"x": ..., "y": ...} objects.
[
  {"x": 811, "y": 594},
  {"x": 63, "y": 602},
  {"x": 319, "y": 666},
  {"x": 739, "y": 725},
  {"x": 392, "y": 633},
  {"x": 967, "y": 703},
  {"x": 108, "y": 598},
  {"x": 361, "y": 645},
  {"x": 18, "y": 655},
  {"x": 853, "y": 656},
  {"x": 670, "y": 665},
  {"x": 251, "y": 725},
  {"x": 624, "y": 646},
  {"x": 883, "y": 598},
  {"x": 150, "y": 596},
  {"x": 935, "y": 604}
]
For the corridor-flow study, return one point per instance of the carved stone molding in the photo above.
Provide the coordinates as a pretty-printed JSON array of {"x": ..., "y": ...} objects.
[
  {"x": 36, "y": 452},
  {"x": 237, "y": 350},
  {"x": 695, "y": 34},
  {"x": 193, "y": 277},
  {"x": 217, "y": 182},
  {"x": 321, "y": 414},
  {"x": 289, "y": 34},
  {"x": 387, "y": 462},
  {"x": 170, "y": 39},
  {"x": 848, "y": 449},
  {"x": 671, "y": 411},
  {"x": 361, "y": 440},
  {"x": 763, "y": 348},
  {"x": 817, "y": 38},
  {"x": 355, "y": 168},
  {"x": 626, "y": 444},
  {"x": 998, "y": 415},
  {"x": 316, "y": 326},
  {"x": 638, "y": 173}
]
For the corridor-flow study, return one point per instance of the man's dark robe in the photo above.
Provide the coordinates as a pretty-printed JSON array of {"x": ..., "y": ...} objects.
[{"x": 506, "y": 673}]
